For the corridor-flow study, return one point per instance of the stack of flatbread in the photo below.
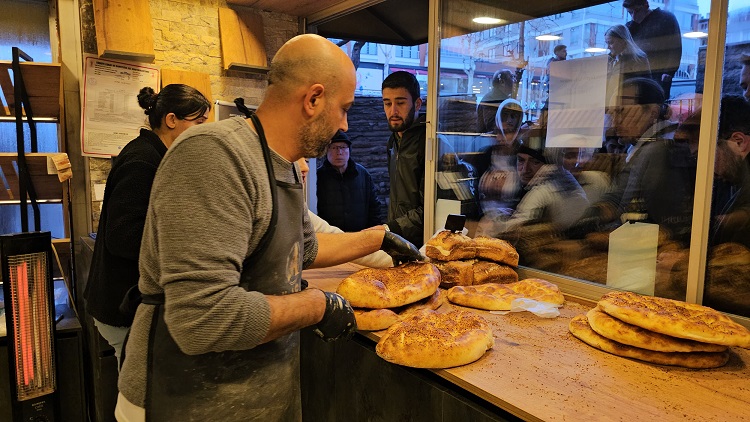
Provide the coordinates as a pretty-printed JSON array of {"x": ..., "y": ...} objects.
[
  {"x": 499, "y": 297},
  {"x": 429, "y": 339},
  {"x": 464, "y": 261},
  {"x": 659, "y": 330},
  {"x": 382, "y": 296}
]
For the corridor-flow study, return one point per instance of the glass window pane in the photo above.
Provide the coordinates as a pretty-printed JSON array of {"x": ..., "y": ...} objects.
[
  {"x": 569, "y": 133},
  {"x": 727, "y": 285}
]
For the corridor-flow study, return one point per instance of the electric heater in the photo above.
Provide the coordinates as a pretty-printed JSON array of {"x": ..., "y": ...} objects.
[{"x": 25, "y": 262}]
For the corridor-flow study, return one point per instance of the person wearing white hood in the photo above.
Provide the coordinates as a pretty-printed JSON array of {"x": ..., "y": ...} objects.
[{"x": 499, "y": 186}]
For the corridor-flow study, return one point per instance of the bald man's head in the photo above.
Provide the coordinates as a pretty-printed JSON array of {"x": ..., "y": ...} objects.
[{"x": 308, "y": 59}]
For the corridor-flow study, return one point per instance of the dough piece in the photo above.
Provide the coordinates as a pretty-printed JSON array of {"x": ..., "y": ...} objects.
[
  {"x": 621, "y": 332},
  {"x": 675, "y": 318},
  {"x": 378, "y": 288},
  {"x": 498, "y": 297},
  {"x": 496, "y": 250},
  {"x": 434, "y": 340},
  {"x": 449, "y": 246},
  {"x": 431, "y": 303},
  {"x": 580, "y": 328},
  {"x": 375, "y": 319},
  {"x": 474, "y": 271}
]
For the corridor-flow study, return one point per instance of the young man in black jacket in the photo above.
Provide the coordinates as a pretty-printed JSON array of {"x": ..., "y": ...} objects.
[{"x": 406, "y": 156}]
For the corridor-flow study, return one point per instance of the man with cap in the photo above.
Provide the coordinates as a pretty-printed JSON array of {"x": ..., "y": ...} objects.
[
  {"x": 561, "y": 53},
  {"x": 657, "y": 33},
  {"x": 346, "y": 193}
]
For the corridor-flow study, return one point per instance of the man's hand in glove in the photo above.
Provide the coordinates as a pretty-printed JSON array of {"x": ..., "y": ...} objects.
[
  {"x": 338, "y": 320},
  {"x": 400, "y": 249}
]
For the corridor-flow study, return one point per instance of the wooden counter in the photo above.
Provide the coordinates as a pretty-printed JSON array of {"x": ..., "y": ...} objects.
[{"x": 539, "y": 371}]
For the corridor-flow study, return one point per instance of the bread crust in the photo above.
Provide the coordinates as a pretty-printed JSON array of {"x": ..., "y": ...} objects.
[
  {"x": 631, "y": 335},
  {"x": 434, "y": 340},
  {"x": 375, "y": 319},
  {"x": 474, "y": 271},
  {"x": 378, "y": 288},
  {"x": 579, "y": 327},
  {"x": 449, "y": 246},
  {"x": 496, "y": 250},
  {"x": 675, "y": 318},
  {"x": 498, "y": 297}
]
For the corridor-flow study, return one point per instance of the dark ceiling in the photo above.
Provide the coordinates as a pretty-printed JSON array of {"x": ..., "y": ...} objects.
[{"x": 406, "y": 22}]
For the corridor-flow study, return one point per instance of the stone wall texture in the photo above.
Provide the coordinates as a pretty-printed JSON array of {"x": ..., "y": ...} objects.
[{"x": 186, "y": 37}]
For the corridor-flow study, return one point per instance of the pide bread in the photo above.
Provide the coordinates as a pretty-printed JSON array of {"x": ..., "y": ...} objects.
[
  {"x": 580, "y": 328},
  {"x": 496, "y": 250},
  {"x": 498, "y": 297},
  {"x": 380, "y": 319},
  {"x": 474, "y": 271},
  {"x": 431, "y": 303},
  {"x": 449, "y": 246},
  {"x": 675, "y": 318},
  {"x": 375, "y": 319},
  {"x": 436, "y": 340},
  {"x": 378, "y": 288},
  {"x": 631, "y": 335}
]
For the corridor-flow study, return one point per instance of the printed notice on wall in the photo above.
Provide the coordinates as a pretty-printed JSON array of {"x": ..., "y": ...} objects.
[{"x": 111, "y": 115}]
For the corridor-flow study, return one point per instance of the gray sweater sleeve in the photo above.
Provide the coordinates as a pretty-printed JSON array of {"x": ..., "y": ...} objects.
[{"x": 211, "y": 205}]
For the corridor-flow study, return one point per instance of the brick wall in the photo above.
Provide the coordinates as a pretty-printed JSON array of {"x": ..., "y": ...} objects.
[{"x": 186, "y": 37}]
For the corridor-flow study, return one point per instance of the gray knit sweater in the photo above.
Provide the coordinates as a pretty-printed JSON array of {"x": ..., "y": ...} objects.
[{"x": 210, "y": 205}]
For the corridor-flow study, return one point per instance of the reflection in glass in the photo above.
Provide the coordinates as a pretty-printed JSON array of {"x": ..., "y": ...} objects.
[{"x": 592, "y": 132}]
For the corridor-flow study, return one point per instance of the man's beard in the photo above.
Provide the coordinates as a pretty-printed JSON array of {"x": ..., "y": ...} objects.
[
  {"x": 315, "y": 137},
  {"x": 408, "y": 120}
]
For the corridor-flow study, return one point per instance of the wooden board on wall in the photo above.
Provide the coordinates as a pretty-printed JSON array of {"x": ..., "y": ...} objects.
[
  {"x": 42, "y": 81},
  {"x": 243, "y": 45},
  {"x": 124, "y": 30},
  {"x": 197, "y": 80}
]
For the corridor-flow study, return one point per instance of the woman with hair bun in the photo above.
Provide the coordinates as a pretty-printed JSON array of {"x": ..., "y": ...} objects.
[{"x": 114, "y": 267}]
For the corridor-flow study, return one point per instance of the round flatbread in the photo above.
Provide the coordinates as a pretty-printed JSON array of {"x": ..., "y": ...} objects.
[
  {"x": 675, "y": 318},
  {"x": 434, "y": 340},
  {"x": 378, "y": 288},
  {"x": 580, "y": 328},
  {"x": 622, "y": 332},
  {"x": 474, "y": 271}
]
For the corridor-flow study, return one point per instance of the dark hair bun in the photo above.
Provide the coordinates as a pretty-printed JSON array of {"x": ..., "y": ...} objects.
[{"x": 147, "y": 98}]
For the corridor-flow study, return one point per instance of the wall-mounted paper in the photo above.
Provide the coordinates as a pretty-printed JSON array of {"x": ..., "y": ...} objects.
[
  {"x": 577, "y": 102},
  {"x": 111, "y": 116}
]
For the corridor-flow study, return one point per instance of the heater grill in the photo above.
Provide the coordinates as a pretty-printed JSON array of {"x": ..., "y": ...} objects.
[{"x": 32, "y": 334}]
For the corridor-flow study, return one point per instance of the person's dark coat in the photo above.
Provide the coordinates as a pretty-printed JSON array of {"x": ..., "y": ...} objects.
[
  {"x": 659, "y": 36},
  {"x": 406, "y": 164},
  {"x": 347, "y": 201},
  {"x": 114, "y": 267}
]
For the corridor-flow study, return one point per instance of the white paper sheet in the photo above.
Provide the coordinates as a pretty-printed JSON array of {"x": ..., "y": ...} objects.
[
  {"x": 111, "y": 116},
  {"x": 576, "y": 102}
]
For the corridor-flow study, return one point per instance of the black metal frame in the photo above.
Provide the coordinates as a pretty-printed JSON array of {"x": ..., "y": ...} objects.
[{"x": 22, "y": 102}]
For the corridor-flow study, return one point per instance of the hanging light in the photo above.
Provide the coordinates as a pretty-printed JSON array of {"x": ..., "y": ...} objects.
[
  {"x": 695, "y": 34},
  {"x": 595, "y": 50},
  {"x": 486, "y": 20},
  {"x": 548, "y": 37}
]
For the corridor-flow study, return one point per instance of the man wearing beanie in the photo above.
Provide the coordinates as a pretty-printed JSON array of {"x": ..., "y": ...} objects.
[{"x": 346, "y": 194}]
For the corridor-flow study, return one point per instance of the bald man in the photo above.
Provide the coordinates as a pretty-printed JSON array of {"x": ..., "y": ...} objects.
[{"x": 226, "y": 238}]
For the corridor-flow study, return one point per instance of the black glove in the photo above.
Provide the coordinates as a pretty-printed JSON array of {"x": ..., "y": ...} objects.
[
  {"x": 591, "y": 221},
  {"x": 338, "y": 320},
  {"x": 400, "y": 249}
]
